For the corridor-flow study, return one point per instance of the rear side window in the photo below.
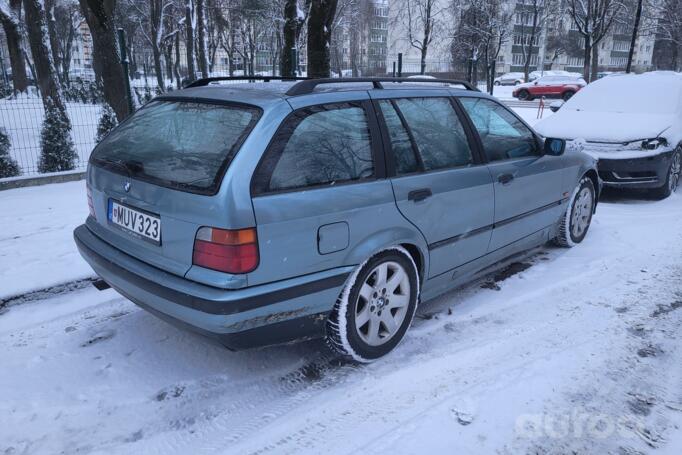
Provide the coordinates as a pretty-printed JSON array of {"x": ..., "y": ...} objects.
[
  {"x": 319, "y": 145},
  {"x": 503, "y": 135},
  {"x": 185, "y": 145},
  {"x": 405, "y": 159},
  {"x": 437, "y": 132}
]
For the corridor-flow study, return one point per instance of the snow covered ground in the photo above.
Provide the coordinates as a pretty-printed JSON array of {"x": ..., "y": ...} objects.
[
  {"x": 36, "y": 246},
  {"x": 569, "y": 351}
]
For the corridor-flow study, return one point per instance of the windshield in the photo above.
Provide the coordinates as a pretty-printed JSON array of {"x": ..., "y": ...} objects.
[{"x": 185, "y": 145}]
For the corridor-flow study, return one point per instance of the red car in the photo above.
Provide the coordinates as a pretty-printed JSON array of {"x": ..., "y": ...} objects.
[{"x": 549, "y": 86}]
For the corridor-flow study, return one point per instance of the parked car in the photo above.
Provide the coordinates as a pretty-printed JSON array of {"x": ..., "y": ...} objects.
[
  {"x": 83, "y": 74},
  {"x": 510, "y": 79},
  {"x": 535, "y": 75},
  {"x": 278, "y": 211},
  {"x": 632, "y": 124},
  {"x": 550, "y": 87}
]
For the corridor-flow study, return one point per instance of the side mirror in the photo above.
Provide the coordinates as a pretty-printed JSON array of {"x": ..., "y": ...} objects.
[
  {"x": 556, "y": 105},
  {"x": 554, "y": 147}
]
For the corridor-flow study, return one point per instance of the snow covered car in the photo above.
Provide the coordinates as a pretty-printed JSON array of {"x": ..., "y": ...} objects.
[
  {"x": 563, "y": 87},
  {"x": 276, "y": 211},
  {"x": 510, "y": 79},
  {"x": 632, "y": 124}
]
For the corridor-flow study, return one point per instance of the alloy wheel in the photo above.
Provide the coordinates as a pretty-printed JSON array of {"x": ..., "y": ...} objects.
[
  {"x": 582, "y": 212},
  {"x": 382, "y": 304},
  {"x": 675, "y": 169}
]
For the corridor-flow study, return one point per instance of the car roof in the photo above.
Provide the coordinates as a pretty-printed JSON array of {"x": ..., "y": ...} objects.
[{"x": 266, "y": 94}]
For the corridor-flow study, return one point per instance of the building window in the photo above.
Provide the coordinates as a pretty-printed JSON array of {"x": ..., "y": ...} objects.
[
  {"x": 575, "y": 61},
  {"x": 621, "y": 46},
  {"x": 618, "y": 61},
  {"x": 526, "y": 39}
]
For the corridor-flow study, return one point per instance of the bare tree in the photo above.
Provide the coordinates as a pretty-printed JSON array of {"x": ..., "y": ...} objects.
[
  {"x": 321, "y": 15},
  {"x": 99, "y": 14},
  {"x": 10, "y": 17},
  {"x": 480, "y": 32},
  {"x": 421, "y": 20},
  {"x": 36, "y": 26},
  {"x": 635, "y": 31},
  {"x": 202, "y": 55},
  {"x": 67, "y": 19},
  {"x": 669, "y": 33},
  {"x": 189, "y": 39},
  {"x": 151, "y": 16},
  {"x": 293, "y": 21},
  {"x": 593, "y": 20},
  {"x": 535, "y": 14}
]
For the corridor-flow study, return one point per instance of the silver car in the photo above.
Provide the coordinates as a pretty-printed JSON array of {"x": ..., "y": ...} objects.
[{"x": 276, "y": 211}]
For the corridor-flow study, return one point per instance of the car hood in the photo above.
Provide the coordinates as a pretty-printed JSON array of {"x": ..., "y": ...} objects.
[{"x": 604, "y": 126}]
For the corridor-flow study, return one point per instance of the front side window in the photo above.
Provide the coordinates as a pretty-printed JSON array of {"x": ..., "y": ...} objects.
[
  {"x": 437, "y": 132},
  {"x": 320, "y": 145},
  {"x": 503, "y": 135}
]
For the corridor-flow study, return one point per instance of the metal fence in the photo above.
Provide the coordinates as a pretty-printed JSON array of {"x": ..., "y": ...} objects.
[{"x": 22, "y": 115}]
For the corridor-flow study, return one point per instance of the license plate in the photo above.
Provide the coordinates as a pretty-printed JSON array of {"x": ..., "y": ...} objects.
[{"x": 144, "y": 225}]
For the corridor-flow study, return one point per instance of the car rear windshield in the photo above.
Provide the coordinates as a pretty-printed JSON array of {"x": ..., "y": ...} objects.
[{"x": 179, "y": 144}]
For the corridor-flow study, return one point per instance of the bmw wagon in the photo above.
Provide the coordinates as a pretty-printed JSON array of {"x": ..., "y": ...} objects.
[{"x": 268, "y": 212}]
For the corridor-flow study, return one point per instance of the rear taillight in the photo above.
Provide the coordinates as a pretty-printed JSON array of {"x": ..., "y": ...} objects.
[
  {"x": 91, "y": 206},
  {"x": 231, "y": 251}
]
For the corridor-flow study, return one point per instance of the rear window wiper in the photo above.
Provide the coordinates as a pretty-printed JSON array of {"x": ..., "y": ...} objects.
[{"x": 131, "y": 168}]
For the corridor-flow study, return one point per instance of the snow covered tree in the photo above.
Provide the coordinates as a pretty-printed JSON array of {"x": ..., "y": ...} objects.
[
  {"x": 10, "y": 12},
  {"x": 107, "y": 122},
  {"x": 57, "y": 150},
  {"x": 99, "y": 15},
  {"x": 8, "y": 166},
  {"x": 593, "y": 20}
]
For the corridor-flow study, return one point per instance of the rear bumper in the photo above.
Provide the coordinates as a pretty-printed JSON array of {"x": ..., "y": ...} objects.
[
  {"x": 274, "y": 313},
  {"x": 636, "y": 173}
]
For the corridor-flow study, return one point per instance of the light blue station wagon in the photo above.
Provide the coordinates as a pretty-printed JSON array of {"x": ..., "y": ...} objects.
[{"x": 262, "y": 213}]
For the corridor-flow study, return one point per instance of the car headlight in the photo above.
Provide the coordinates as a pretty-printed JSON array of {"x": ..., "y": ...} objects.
[{"x": 653, "y": 144}]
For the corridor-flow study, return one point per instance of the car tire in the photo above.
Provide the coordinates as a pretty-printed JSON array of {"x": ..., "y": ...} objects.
[
  {"x": 575, "y": 222},
  {"x": 567, "y": 95},
  {"x": 497, "y": 83},
  {"x": 524, "y": 95},
  {"x": 364, "y": 324},
  {"x": 517, "y": 83},
  {"x": 673, "y": 177}
]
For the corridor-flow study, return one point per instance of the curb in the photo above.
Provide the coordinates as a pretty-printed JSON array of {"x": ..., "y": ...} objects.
[{"x": 21, "y": 182}]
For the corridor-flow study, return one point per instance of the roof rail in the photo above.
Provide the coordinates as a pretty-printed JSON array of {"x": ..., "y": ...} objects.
[
  {"x": 308, "y": 85},
  {"x": 207, "y": 80}
]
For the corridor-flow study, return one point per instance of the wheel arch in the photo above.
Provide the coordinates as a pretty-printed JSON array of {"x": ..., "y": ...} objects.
[{"x": 413, "y": 242}]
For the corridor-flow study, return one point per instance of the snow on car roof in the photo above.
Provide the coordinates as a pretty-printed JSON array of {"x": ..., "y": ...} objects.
[{"x": 652, "y": 93}]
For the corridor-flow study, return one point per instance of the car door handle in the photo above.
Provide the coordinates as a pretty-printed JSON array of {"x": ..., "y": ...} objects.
[
  {"x": 419, "y": 195},
  {"x": 504, "y": 179}
]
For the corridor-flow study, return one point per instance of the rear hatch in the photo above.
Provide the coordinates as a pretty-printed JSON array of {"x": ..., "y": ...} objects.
[{"x": 153, "y": 180}]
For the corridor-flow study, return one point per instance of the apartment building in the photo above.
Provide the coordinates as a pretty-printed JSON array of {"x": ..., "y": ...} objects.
[
  {"x": 544, "y": 51},
  {"x": 612, "y": 50}
]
